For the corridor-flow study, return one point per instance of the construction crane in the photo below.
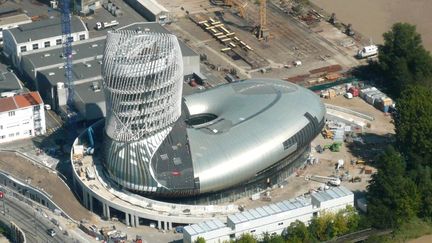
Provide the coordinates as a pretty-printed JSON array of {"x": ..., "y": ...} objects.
[
  {"x": 67, "y": 54},
  {"x": 239, "y": 5},
  {"x": 262, "y": 31}
]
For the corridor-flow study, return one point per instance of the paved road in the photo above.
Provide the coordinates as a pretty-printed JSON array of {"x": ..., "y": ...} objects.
[{"x": 33, "y": 225}]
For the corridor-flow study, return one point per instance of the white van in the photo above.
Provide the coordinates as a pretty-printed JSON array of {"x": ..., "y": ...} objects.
[{"x": 367, "y": 51}]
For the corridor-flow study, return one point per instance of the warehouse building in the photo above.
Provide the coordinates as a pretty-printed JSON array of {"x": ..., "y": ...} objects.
[
  {"x": 150, "y": 10},
  {"x": 9, "y": 83},
  {"x": 272, "y": 218},
  {"x": 39, "y": 35},
  {"x": 12, "y": 21}
]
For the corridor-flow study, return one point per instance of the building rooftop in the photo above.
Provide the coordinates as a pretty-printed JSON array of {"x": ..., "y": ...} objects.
[
  {"x": 158, "y": 28},
  {"x": 268, "y": 210},
  {"x": 153, "y": 6},
  {"x": 81, "y": 72},
  {"x": 20, "y": 101},
  {"x": 203, "y": 227},
  {"x": 332, "y": 193},
  {"x": 44, "y": 29},
  {"x": 53, "y": 55},
  {"x": 9, "y": 82},
  {"x": 86, "y": 93},
  {"x": 12, "y": 20}
]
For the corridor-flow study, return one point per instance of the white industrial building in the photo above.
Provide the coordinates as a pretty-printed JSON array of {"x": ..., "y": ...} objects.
[
  {"x": 21, "y": 116},
  {"x": 39, "y": 35},
  {"x": 151, "y": 10},
  {"x": 272, "y": 218}
]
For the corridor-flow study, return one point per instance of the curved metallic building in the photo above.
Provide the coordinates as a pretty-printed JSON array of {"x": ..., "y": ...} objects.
[
  {"x": 142, "y": 80},
  {"x": 157, "y": 143}
]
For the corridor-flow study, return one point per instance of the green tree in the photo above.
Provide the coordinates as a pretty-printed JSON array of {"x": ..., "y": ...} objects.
[
  {"x": 297, "y": 232},
  {"x": 392, "y": 197},
  {"x": 272, "y": 238},
  {"x": 403, "y": 58},
  {"x": 246, "y": 238},
  {"x": 414, "y": 125},
  {"x": 200, "y": 240},
  {"x": 322, "y": 227},
  {"x": 423, "y": 178}
]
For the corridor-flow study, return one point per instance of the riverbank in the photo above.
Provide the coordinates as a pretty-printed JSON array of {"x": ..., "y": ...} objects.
[{"x": 374, "y": 17}]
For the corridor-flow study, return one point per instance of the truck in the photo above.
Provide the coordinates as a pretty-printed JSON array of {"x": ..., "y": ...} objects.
[
  {"x": 104, "y": 25},
  {"x": 367, "y": 51}
]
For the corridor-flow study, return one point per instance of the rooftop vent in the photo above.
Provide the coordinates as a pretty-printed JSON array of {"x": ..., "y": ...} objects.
[
  {"x": 47, "y": 55},
  {"x": 95, "y": 87},
  {"x": 87, "y": 65},
  {"x": 51, "y": 73},
  {"x": 94, "y": 45}
]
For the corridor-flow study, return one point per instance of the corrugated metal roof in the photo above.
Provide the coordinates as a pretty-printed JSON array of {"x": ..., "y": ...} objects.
[
  {"x": 268, "y": 210},
  {"x": 203, "y": 227},
  {"x": 333, "y": 193}
]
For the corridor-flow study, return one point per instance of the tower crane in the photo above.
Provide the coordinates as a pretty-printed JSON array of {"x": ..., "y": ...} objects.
[
  {"x": 262, "y": 31},
  {"x": 67, "y": 55},
  {"x": 239, "y": 5}
]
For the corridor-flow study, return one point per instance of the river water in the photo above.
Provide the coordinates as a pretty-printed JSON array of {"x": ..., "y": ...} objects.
[{"x": 374, "y": 17}]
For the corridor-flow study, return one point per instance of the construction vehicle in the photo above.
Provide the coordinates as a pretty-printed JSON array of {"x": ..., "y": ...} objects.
[
  {"x": 327, "y": 134},
  {"x": 104, "y": 25},
  {"x": 360, "y": 162},
  {"x": 334, "y": 147},
  {"x": 332, "y": 181}
]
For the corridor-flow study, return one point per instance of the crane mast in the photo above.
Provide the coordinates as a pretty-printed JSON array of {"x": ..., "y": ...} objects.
[{"x": 67, "y": 55}]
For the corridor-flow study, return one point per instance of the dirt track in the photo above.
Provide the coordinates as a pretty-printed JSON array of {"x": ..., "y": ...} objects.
[{"x": 374, "y": 17}]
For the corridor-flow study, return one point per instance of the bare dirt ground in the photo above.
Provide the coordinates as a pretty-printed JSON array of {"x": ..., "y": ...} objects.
[
  {"x": 374, "y": 17},
  {"x": 376, "y": 138},
  {"x": 423, "y": 239},
  {"x": 40, "y": 177}
]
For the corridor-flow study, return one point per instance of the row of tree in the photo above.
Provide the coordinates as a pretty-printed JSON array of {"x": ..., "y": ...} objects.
[{"x": 402, "y": 187}]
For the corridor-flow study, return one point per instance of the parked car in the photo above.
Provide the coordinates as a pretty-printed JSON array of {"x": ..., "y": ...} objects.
[{"x": 51, "y": 232}]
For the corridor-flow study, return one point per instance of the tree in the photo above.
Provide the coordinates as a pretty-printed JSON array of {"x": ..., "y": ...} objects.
[
  {"x": 403, "y": 58},
  {"x": 246, "y": 238},
  {"x": 200, "y": 240},
  {"x": 322, "y": 227},
  {"x": 423, "y": 178},
  {"x": 297, "y": 232},
  {"x": 414, "y": 125},
  {"x": 392, "y": 197}
]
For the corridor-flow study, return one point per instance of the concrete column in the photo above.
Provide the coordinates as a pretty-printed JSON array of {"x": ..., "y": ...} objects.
[
  {"x": 136, "y": 221},
  {"x": 159, "y": 225},
  {"x": 127, "y": 219},
  {"x": 165, "y": 225},
  {"x": 169, "y": 225},
  {"x": 91, "y": 201},
  {"x": 106, "y": 211},
  {"x": 85, "y": 199}
]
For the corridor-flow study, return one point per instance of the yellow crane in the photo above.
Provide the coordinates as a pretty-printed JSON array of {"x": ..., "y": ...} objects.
[
  {"x": 262, "y": 31},
  {"x": 239, "y": 5}
]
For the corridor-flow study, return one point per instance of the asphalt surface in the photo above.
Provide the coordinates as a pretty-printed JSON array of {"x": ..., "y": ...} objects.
[{"x": 33, "y": 224}]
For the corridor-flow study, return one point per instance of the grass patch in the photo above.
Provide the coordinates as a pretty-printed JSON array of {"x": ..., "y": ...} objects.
[{"x": 412, "y": 229}]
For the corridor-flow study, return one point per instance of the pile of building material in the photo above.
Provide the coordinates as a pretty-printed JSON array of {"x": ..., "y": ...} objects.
[{"x": 376, "y": 98}]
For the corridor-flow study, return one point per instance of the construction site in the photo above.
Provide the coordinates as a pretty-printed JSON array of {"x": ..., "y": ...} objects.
[
  {"x": 237, "y": 40},
  {"x": 263, "y": 39}
]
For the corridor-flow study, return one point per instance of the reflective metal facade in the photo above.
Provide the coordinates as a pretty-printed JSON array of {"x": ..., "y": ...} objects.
[{"x": 142, "y": 81}]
